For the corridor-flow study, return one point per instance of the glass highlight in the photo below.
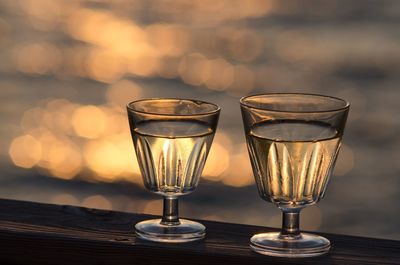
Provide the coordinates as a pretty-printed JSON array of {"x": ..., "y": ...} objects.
[{"x": 293, "y": 142}]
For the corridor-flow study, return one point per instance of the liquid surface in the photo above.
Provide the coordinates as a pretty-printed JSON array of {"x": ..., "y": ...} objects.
[
  {"x": 172, "y": 154},
  {"x": 292, "y": 160}
]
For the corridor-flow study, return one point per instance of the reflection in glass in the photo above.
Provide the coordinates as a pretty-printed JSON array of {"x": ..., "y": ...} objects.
[
  {"x": 293, "y": 141},
  {"x": 172, "y": 138}
]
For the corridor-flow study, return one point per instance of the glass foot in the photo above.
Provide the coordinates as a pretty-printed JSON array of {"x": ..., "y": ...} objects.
[
  {"x": 304, "y": 245},
  {"x": 186, "y": 231}
]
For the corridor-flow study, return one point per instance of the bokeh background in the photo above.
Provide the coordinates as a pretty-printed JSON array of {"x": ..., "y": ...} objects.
[{"x": 68, "y": 67}]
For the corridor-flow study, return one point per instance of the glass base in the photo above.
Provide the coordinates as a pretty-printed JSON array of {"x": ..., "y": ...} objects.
[
  {"x": 304, "y": 245},
  {"x": 186, "y": 231}
]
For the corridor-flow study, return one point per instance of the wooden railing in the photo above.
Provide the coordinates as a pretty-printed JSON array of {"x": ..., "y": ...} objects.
[{"x": 35, "y": 233}]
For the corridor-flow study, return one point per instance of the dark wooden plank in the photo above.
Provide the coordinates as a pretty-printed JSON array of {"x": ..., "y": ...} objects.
[{"x": 33, "y": 233}]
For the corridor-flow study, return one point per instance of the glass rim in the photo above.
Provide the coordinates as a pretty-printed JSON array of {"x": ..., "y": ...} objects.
[
  {"x": 217, "y": 108},
  {"x": 346, "y": 103}
]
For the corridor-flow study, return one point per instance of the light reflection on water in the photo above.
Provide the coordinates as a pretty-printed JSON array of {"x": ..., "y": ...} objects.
[{"x": 69, "y": 67}]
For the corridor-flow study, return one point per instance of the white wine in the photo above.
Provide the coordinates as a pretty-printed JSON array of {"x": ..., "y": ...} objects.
[
  {"x": 172, "y": 154},
  {"x": 292, "y": 160}
]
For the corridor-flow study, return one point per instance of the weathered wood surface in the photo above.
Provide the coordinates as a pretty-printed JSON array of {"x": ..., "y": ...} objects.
[{"x": 33, "y": 233}]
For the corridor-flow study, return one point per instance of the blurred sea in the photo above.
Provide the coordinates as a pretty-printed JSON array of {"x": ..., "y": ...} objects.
[{"x": 67, "y": 68}]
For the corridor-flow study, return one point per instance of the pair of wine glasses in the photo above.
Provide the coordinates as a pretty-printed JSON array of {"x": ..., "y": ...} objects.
[{"x": 293, "y": 141}]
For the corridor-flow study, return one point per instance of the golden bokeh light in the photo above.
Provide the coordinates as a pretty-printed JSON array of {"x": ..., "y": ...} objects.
[
  {"x": 240, "y": 173},
  {"x": 144, "y": 65},
  {"x": 218, "y": 159},
  {"x": 61, "y": 112},
  {"x": 168, "y": 39},
  {"x": 116, "y": 122},
  {"x": 98, "y": 202},
  {"x": 112, "y": 46},
  {"x": 25, "y": 151},
  {"x": 43, "y": 14},
  {"x": 130, "y": 166},
  {"x": 122, "y": 91},
  {"x": 70, "y": 166},
  {"x": 89, "y": 121},
  {"x": 220, "y": 74},
  {"x": 113, "y": 158},
  {"x": 52, "y": 128},
  {"x": 193, "y": 69},
  {"x": 104, "y": 66},
  {"x": 217, "y": 163},
  {"x": 103, "y": 157},
  {"x": 60, "y": 156},
  {"x": 58, "y": 128},
  {"x": 37, "y": 58},
  {"x": 84, "y": 23},
  {"x": 120, "y": 36}
]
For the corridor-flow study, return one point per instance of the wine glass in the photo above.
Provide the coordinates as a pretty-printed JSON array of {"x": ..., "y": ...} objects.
[
  {"x": 172, "y": 138},
  {"x": 293, "y": 141}
]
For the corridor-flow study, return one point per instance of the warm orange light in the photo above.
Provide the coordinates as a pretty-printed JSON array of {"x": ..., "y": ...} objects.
[
  {"x": 70, "y": 165},
  {"x": 25, "y": 151},
  {"x": 218, "y": 160},
  {"x": 240, "y": 173},
  {"x": 97, "y": 201},
  {"x": 60, "y": 156},
  {"x": 168, "y": 40},
  {"x": 217, "y": 163},
  {"x": 193, "y": 69},
  {"x": 46, "y": 14},
  {"x": 88, "y": 121},
  {"x": 83, "y": 24},
  {"x": 104, "y": 66},
  {"x": 37, "y": 58},
  {"x": 127, "y": 157},
  {"x": 120, "y": 37},
  {"x": 106, "y": 159},
  {"x": 220, "y": 74},
  {"x": 61, "y": 114},
  {"x": 143, "y": 65}
]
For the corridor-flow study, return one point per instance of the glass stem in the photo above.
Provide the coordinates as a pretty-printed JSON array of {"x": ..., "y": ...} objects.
[
  {"x": 170, "y": 211},
  {"x": 291, "y": 224}
]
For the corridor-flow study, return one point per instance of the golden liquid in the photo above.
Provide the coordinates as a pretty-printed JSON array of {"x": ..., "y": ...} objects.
[
  {"x": 292, "y": 160},
  {"x": 172, "y": 154}
]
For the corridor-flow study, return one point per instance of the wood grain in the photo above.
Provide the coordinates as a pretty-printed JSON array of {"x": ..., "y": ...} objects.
[{"x": 34, "y": 233}]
